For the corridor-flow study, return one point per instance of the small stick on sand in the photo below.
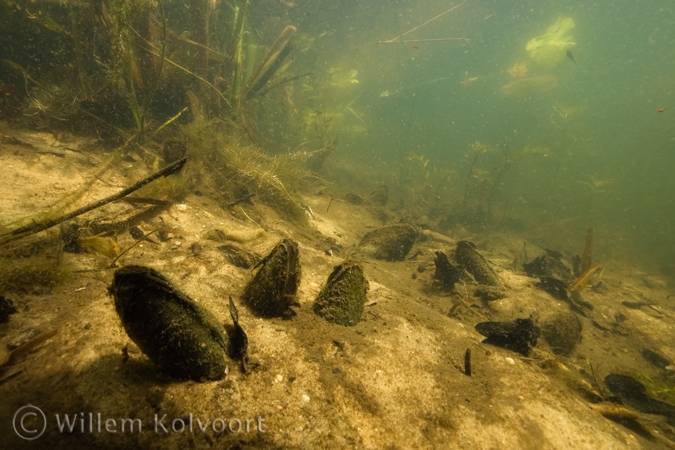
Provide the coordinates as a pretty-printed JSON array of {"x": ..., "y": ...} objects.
[{"x": 33, "y": 228}]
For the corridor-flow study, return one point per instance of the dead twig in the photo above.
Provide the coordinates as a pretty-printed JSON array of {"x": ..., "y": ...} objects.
[{"x": 36, "y": 227}]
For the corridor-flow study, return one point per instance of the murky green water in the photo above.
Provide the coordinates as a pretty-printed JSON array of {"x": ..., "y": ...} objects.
[{"x": 585, "y": 145}]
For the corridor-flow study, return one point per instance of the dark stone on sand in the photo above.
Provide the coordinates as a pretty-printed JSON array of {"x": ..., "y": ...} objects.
[
  {"x": 342, "y": 299},
  {"x": 391, "y": 243},
  {"x": 517, "y": 336},
  {"x": 272, "y": 291},
  {"x": 562, "y": 331}
]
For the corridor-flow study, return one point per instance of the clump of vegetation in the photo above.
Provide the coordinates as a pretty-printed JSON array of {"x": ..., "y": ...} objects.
[
  {"x": 140, "y": 73},
  {"x": 132, "y": 68},
  {"x": 661, "y": 388},
  {"x": 232, "y": 170}
]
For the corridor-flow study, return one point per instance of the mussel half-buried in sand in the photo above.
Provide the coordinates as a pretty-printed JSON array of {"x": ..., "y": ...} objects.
[
  {"x": 517, "y": 336},
  {"x": 238, "y": 256},
  {"x": 342, "y": 299},
  {"x": 468, "y": 257},
  {"x": 447, "y": 273},
  {"x": 557, "y": 288},
  {"x": 272, "y": 291},
  {"x": 549, "y": 264},
  {"x": 182, "y": 338},
  {"x": 391, "y": 243},
  {"x": 633, "y": 394},
  {"x": 562, "y": 331}
]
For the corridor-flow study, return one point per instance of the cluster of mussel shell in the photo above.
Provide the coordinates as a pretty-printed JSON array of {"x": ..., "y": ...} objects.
[
  {"x": 519, "y": 335},
  {"x": 187, "y": 341}
]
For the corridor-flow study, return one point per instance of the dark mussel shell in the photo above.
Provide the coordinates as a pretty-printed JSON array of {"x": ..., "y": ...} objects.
[
  {"x": 549, "y": 265},
  {"x": 182, "y": 338},
  {"x": 517, "y": 336},
  {"x": 557, "y": 288},
  {"x": 634, "y": 395},
  {"x": 380, "y": 195},
  {"x": 239, "y": 257},
  {"x": 447, "y": 273},
  {"x": 468, "y": 257},
  {"x": 562, "y": 330},
  {"x": 343, "y": 297},
  {"x": 273, "y": 289},
  {"x": 391, "y": 243}
]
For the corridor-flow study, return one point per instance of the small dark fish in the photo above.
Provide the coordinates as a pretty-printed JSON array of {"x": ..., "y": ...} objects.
[{"x": 569, "y": 55}]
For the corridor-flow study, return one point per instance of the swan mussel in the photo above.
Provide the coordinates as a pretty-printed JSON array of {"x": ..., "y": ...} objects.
[
  {"x": 468, "y": 257},
  {"x": 272, "y": 291},
  {"x": 342, "y": 299},
  {"x": 550, "y": 265},
  {"x": 239, "y": 257},
  {"x": 447, "y": 273},
  {"x": 518, "y": 336},
  {"x": 634, "y": 395},
  {"x": 182, "y": 338},
  {"x": 391, "y": 243}
]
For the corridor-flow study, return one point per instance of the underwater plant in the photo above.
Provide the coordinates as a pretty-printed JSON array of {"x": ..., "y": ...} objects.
[{"x": 550, "y": 48}]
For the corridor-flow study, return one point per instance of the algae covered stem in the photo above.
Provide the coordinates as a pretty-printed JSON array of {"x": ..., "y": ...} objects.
[{"x": 41, "y": 226}]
